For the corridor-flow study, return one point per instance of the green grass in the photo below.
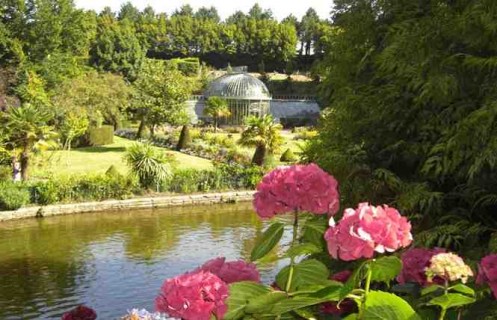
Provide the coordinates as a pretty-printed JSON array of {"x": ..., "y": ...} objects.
[{"x": 96, "y": 160}]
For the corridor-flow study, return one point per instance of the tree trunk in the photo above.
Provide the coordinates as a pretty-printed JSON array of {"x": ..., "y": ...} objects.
[
  {"x": 141, "y": 128},
  {"x": 259, "y": 155},
  {"x": 215, "y": 124},
  {"x": 24, "y": 164}
]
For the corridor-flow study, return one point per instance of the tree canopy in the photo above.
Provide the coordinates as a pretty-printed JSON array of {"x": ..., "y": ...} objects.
[{"x": 410, "y": 90}]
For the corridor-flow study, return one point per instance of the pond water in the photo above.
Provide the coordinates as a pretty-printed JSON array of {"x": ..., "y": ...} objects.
[{"x": 114, "y": 261}]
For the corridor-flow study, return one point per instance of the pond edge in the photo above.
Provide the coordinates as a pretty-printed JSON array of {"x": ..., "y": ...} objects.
[{"x": 135, "y": 203}]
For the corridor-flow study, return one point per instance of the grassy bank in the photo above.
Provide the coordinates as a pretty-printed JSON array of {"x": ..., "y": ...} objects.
[{"x": 96, "y": 160}]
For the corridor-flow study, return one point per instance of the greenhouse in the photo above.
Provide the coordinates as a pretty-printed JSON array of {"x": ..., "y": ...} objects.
[{"x": 246, "y": 95}]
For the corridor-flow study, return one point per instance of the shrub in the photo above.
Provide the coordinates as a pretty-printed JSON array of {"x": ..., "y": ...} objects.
[
  {"x": 86, "y": 188},
  {"x": 112, "y": 172},
  {"x": 184, "y": 138},
  {"x": 5, "y": 173},
  {"x": 148, "y": 164},
  {"x": 100, "y": 136},
  {"x": 13, "y": 196},
  {"x": 288, "y": 156}
]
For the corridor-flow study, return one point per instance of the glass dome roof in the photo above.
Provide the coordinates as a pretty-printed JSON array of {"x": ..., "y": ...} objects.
[{"x": 240, "y": 86}]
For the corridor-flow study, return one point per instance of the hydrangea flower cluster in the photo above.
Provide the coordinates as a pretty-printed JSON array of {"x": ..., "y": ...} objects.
[
  {"x": 296, "y": 188},
  {"x": 142, "y": 314},
  {"x": 80, "y": 313},
  {"x": 367, "y": 229},
  {"x": 487, "y": 272},
  {"x": 193, "y": 296},
  {"x": 414, "y": 263},
  {"x": 202, "y": 293},
  {"x": 232, "y": 271},
  {"x": 448, "y": 266}
]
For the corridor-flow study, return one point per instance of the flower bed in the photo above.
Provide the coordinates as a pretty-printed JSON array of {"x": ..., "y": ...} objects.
[
  {"x": 204, "y": 145},
  {"x": 362, "y": 266}
]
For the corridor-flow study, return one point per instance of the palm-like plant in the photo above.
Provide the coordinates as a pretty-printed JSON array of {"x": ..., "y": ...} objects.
[
  {"x": 28, "y": 131},
  {"x": 263, "y": 134},
  {"x": 216, "y": 107},
  {"x": 148, "y": 164}
]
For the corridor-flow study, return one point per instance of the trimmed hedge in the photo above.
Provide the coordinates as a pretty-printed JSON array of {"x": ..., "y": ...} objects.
[
  {"x": 100, "y": 136},
  {"x": 288, "y": 156}
]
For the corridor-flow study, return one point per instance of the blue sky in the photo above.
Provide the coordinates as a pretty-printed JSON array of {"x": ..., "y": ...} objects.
[{"x": 280, "y": 8}]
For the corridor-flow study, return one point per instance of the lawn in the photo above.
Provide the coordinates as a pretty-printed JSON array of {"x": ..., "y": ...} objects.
[{"x": 98, "y": 159}]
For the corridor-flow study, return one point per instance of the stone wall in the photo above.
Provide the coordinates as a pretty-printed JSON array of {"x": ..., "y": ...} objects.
[{"x": 138, "y": 203}]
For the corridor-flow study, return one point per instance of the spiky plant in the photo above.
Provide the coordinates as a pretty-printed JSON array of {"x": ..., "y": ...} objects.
[
  {"x": 150, "y": 165},
  {"x": 263, "y": 134}
]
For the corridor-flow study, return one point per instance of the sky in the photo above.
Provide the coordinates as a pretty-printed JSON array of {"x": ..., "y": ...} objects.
[{"x": 280, "y": 8}]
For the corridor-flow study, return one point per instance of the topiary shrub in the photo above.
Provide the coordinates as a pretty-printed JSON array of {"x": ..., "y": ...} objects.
[
  {"x": 112, "y": 172},
  {"x": 288, "y": 156},
  {"x": 184, "y": 138},
  {"x": 12, "y": 196},
  {"x": 99, "y": 136}
]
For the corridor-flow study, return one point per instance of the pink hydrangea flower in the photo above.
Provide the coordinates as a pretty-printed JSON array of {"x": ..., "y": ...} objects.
[
  {"x": 367, "y": 229},
  {"x": 80, "y": 313},
  {"x": 487, "y": 272},
  {"x": 296, "y": 188},
  {"x": 193, "y": 296},
  {"x": 233, "y": 271},
  {"x": 414, "y": 263}
]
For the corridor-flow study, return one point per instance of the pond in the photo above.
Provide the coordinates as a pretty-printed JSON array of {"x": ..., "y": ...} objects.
[{"x": 114, "y": 261}]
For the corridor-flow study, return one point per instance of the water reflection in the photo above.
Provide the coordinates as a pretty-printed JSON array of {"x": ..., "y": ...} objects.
[{"x": 113, "y": 261}]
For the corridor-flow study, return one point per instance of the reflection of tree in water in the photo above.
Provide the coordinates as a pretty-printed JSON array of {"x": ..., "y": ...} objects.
[
  {"x": 43, "y": 261},
  {"x": 25, "y": 280},
  {"x": 164, "y": 231}
]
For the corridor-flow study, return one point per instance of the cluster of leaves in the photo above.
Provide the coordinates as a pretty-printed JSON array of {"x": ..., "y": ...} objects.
[
  {"x": 411, "y": 101},
  {"x": 302, "y": 287}
]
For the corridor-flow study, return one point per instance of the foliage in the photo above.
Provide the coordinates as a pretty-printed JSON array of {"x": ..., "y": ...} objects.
[
  {"x": 12, "y": 196},
  {"x": 288, "y": 156},
  {"x": 102, "y": 97},
  {"x": 304, "y": 287},
  {"x": 28, "y": 131},
  {"x": 161, "y": 93},
  {"x": 216, "y": 107},
  {"x": 184, "y": 138},
  {"x": 410, "y": 96},
  {"x": 263, "y": 134},
  {"x": 86, "y": 188},
  {"x": 73, "y": 125},
  {"x": 100, "y": 136},
  {"x": 116, "y": 48},
  {"x": 148, "y": 164},
  {"x": 223, "y": 177}
]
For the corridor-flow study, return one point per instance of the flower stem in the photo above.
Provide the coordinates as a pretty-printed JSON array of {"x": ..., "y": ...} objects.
[
  {"x": 292, "y": 259},
  {"x": 367, "y": 285},
  {"x": 446, "y": 291}
]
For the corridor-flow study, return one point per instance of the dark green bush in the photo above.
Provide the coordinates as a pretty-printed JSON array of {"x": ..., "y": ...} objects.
[
  {"x": 13, "y": 196},
  {"x": 100, "y": 136},
  {"x": 184, "y": 138},
  {"x": 288, "y": 156}
]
